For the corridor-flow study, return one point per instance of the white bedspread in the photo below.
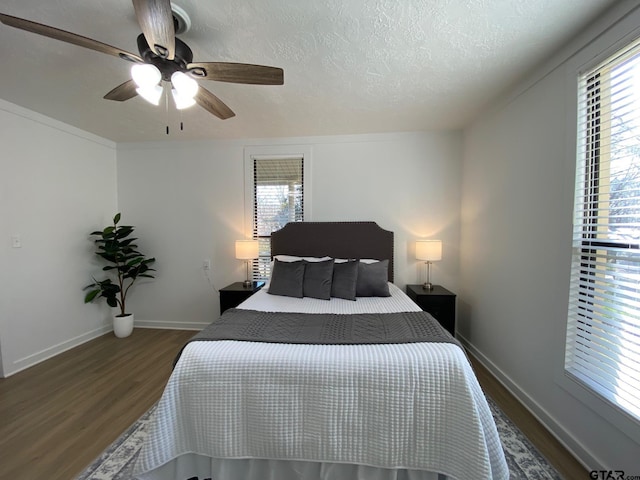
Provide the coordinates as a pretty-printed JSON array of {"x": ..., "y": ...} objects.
[{"x": 414, "y": 406}]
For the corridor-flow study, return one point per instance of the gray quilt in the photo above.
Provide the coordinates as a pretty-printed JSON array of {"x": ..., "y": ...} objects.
[{"x": 325, "y": 328}]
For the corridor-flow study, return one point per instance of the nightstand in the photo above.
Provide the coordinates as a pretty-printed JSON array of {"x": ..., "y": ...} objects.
[
  {"x": 233, "y": 295},
  {"x": 439, "y": 302}
]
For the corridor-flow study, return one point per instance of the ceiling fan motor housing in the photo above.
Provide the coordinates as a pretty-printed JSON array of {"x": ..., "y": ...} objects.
[{"x": 183, "y": 56}]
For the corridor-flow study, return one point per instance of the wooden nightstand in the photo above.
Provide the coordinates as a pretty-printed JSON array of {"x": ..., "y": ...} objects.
[
  {"x": 233, "y": 295},
  {"x": 439, "y": 302}
]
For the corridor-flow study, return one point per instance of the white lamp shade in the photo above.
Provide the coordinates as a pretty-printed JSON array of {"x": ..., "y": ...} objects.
[
  {"x": 247, "y": 249},
  {"x": 182, "y": 101},
  {"x": 151, "y": 94},
  {"x": 184, "y": 84},
  {"x": 184, "y": 90},
  {"x": 145, "y": 75},
  {"x": 429, "y": 250}
]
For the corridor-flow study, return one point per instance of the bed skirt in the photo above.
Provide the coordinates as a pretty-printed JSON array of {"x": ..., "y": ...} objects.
[{"x": 193, "y": 466}]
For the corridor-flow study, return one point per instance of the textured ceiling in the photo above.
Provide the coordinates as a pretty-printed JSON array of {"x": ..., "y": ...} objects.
[{"x": 350, "y": 66}]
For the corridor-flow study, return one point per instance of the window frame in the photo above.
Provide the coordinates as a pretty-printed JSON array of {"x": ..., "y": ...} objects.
[
  {"x": 275, "y": 152},
  {"x": 590, "y": 245}
]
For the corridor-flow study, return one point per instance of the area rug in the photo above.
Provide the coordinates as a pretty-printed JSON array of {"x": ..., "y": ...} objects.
[{"x": 525, "y": 462}]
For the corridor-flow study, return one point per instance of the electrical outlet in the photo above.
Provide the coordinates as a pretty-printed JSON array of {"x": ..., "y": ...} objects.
[{"x": 206, "y": 264}]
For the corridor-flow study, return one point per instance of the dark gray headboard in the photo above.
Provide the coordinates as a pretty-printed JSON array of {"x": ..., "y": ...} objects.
[{"x": 334, "y": 239}]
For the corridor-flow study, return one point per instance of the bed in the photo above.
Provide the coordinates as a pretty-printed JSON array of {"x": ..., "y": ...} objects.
[{"x": 308, "y": 407}]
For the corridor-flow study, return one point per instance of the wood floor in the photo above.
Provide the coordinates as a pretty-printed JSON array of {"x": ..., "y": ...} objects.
[
  {"x": 58, "y": 416},
  {"x": 552, "y": 449}
]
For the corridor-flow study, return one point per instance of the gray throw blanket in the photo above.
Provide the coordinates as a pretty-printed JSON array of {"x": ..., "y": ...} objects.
[{"x": 324, "y": 328}]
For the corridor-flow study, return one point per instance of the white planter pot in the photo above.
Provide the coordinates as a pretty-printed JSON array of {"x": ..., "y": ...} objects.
[{"x": 123, "y": 326}]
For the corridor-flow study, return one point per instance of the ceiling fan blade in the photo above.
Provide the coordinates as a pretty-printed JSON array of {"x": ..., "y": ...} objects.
[
  {"x": 123, "y": 92},
  {"x": 237, "y": 73},
  {"x": 156, "y": 22},
  {"x": 68, "y": 37},
  {"x": 213, "y": 104}
]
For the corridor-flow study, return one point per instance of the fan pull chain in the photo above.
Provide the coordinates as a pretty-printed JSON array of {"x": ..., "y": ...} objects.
[{"x": 166, "y": 104}]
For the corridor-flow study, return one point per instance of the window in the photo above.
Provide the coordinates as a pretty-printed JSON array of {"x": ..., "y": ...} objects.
[
  {"x": 603, "y": 329},
  {"x": 277, "y": 199}
]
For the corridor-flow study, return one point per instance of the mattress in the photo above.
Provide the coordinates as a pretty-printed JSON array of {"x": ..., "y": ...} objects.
[
  {"x": 283, "y": 411},
  {"x": 397, "y": 302}
]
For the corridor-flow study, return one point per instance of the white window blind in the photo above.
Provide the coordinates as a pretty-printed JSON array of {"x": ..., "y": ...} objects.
[
  {"x": 278, "y": 199},
  {"x": 603, "y": 329}
]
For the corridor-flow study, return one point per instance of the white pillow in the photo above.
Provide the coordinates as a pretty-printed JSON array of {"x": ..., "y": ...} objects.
[{"x": 291, "y": 258}]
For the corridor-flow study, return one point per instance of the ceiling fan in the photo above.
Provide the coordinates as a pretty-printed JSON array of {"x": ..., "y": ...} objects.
[{"x": 163, "y": 57}]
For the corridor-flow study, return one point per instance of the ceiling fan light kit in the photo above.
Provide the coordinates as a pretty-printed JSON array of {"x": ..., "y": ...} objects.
[
  {"x": 184, "y": 91},
  {"x": 151, "y": 94},
  {"x": 163, "y": 58},
  {"x": 145, "y": 75},
  {"x": 147, "y": 78}
]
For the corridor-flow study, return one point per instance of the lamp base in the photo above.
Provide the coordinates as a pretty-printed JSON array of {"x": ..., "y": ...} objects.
[
  {"x": 427, "y": 286},
  {"x": 247, "y": 283}
]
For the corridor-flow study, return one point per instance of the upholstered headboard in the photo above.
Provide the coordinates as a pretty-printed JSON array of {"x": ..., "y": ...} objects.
[{"x": 334, "y": 239}]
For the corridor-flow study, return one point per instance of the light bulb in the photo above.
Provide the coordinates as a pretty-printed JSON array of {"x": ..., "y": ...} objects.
[
  {"x": 145, "y": 75},
  {"x": 185, "y": 85},
  {"x": 151, "y": 94},
  {"x": 182, "y": 101}
]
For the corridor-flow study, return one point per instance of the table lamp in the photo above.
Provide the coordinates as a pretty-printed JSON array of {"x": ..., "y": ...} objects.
[
  {"x": 247, "y": 250},
  {"x": 429, "y": 251}
]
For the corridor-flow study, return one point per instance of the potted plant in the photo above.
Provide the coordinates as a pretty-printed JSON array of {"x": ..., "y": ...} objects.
[{"x": 126, "y": 264}]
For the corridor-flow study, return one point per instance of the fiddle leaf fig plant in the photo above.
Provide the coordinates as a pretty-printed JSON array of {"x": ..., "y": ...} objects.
[{"x": 125, "y": 265}]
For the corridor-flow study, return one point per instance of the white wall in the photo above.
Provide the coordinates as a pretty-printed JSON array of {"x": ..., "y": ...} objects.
[
  {"x": 517, "y": 201},
  {"x": 187, "y": 201},
  {"x": 57, "y": 184}
]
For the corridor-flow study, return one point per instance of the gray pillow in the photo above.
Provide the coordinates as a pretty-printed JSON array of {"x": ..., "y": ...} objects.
[
  {"x": 345, "y": 276},
  {"x": 317, "y": 279},
  {"x": 287, "y": 278},
  {"x": 372, "y": 279}
]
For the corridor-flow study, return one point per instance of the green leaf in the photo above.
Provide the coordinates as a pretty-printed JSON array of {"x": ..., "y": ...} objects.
[
  {"x": 91, "y": 295},
  {"x": 116, "y": 219},
  {"x": 107, "y": 256},
  {"x": 124, "y": 232},
  {"x": 127, "y": 242}
]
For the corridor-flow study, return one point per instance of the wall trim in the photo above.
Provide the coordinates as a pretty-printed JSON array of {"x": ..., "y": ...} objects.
[
  {"x": 164, "y": 325},
  {"x": 50, "y": 352},
  {"x": 53, "y": 123},
  {"x": 280, "y": 141},
  {"x": 579, "y": 452}
]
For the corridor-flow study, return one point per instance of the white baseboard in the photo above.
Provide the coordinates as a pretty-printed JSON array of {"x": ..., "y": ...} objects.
[
  {"x": 169, "y": 325},
  {"x": 47, "y": 353},
  {"x": 574, "y": 447}
]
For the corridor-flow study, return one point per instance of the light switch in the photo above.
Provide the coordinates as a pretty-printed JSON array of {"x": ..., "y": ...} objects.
[{"x": 16, "y": 241}]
